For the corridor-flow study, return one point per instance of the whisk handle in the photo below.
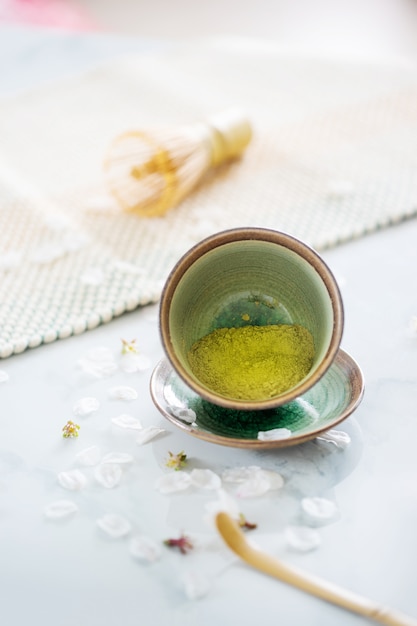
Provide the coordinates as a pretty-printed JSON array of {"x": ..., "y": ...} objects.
[{"x": 229, "y": 134}]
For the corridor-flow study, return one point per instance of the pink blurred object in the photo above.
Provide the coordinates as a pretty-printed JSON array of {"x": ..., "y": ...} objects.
[{"x": 51, "y": 13}]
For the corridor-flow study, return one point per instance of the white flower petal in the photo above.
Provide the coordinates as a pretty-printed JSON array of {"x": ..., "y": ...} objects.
[
  {"x": 320, "y": 509},
  {"x": 114, "y": 525},
  {"x": 130, "y": 363},
  {"x": 60, "y": 509},
  {"x": 274, "y": 434},
  {"x": 338, "y": 437},
  {"x": 117, "y": 457},
  {"x": 73, "y": 480},
  {"x": 172, "y": 482},
  {"x": 302, "y": 538},
  {"x": 205, "y": 479},
  {"x": 196, "y": 584},
  {"x": 90, "y": 456},
  {"x": 85, "y": 406},
  {"x": 276, "y": 481},
  {"x": 123, "y": 393},
  {"x": 239, "y": 474},
  {"x": 98, "y": 362},
  {"x": 108, "y": 474},
  {"x": 184, "y": 414},
  {"x": 145, "y": 549},
  {"x": 127, "y": 421},
  {"x": 257, "y": 485},
  {"x": 4, "y": 377},
  {"x": 148, "y": 433}
]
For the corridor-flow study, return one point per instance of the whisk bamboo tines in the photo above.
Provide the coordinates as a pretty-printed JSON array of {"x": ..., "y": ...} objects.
[{"x": 151, "y": 172}]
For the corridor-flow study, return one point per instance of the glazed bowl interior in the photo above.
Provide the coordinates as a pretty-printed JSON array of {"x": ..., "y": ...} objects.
[{"x": 250, "y": 277}]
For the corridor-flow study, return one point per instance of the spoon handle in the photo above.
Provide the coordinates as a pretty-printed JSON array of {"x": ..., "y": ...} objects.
[{"x": 327, "y": 591}]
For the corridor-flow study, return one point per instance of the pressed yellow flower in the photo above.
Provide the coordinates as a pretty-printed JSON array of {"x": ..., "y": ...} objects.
[
  {"x": 176, "y": 461},
  {"x": 129, "y": 347},
  {"x": 70, "y": 430}
]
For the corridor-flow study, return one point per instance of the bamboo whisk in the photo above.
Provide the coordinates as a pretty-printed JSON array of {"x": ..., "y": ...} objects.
[{"x": 151, "y": 172}]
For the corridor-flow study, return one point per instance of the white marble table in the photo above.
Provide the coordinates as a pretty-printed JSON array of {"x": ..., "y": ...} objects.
[{"x": 70, "y": 572}]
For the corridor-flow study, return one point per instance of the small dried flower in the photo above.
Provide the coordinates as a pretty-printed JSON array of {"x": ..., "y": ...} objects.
[
  {"x": 70, "y": 430},
  {"x": 176, "y": 461},
  {"x": 183, "y": 543},
  {"x": 129, "y": 347},
  {"x": 243, "y": 523}
]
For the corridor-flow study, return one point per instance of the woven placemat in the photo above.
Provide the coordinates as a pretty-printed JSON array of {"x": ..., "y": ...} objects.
[{"x": 333, "y": 157}]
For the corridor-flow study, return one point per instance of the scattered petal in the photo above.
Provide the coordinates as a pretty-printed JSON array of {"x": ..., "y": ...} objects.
[
  {"x": 257, "y": 485},
  {"x": 89, "y": 457},
  {"x": 60, "y": 509},
  {"x": 98, "y": 362},
  {"x": 239, "y": 474},
  {"x": 108, "y": 474},
  {"x": 123, "y": 393},
  {"x": 319, "y": 509},
  {"x": 74, "y": 480},
  {"x": 148, "y": 433},
  {"x": 205, "y": 479},
  {"x": 4, "y": 377},
  {"x": 114, "y": 525},
  {"x": 183, "y": 414},
  {"x": 196, "y": 584},
  {"x": 337, "y": 437},
  {"x": 172, "y": 482},
  {"x": 127, "y": 421},
  {"x": 70, "y": 430},
  {"x": 85, "y": 406},
  {"x": 145, "y": 549},
  {"x": 274, "y": 434},
  {"x": 131, "y": 363},
  {"x": 302, "y": 538},
  {"x": 253, "y": 481},
  {"x": 117, "y": 457},
  {"x": 276, "y": 481}
]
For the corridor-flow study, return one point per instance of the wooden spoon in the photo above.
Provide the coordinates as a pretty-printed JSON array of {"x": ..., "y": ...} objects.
[{"x": 236, "y": 540}]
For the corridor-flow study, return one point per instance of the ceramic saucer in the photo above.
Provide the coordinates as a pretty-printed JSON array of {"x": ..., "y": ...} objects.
[{"x": 337, "y": 394}]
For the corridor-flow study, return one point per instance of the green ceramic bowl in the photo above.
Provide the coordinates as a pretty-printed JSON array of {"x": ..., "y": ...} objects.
[{"x": 250, "y": 276}]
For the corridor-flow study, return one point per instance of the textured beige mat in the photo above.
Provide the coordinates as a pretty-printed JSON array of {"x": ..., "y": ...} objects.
[{"x": 334, "y": 156}]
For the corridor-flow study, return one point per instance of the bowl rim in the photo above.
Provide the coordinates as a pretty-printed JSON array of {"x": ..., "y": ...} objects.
[{"x": 250, "y": 234}]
